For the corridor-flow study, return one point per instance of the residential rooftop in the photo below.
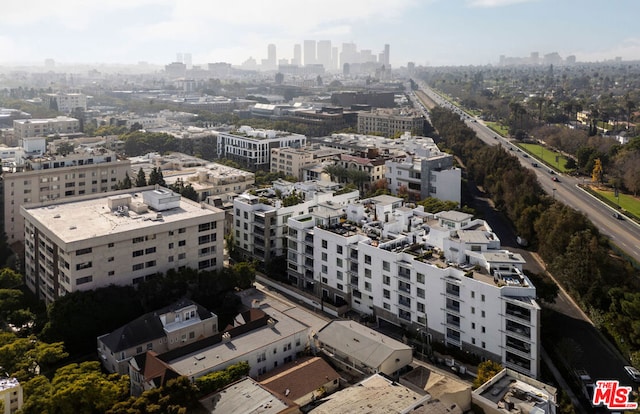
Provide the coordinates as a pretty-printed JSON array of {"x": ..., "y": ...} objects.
[{"x": 82, "y": 219}]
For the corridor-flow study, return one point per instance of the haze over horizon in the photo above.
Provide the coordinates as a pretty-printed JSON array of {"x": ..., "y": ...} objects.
[{"x": 427, "y": 32}]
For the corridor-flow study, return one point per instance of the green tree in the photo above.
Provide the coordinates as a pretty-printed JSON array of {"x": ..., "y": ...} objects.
[
  {"x": 141, "y": 178},
  {"x": 486, "y": 370},
  {"x": 189, "y": 192},
  {"x": 217, "y": 380},
  {"x": 126, "y": 182},
  {"x": 76, "y": 388}
]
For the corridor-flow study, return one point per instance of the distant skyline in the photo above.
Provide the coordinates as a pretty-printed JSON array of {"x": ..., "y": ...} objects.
[{"x": 427, "y": 32}]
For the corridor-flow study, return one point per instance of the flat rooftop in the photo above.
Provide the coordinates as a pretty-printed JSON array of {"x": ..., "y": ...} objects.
[
  {"x": 245, "y": 396},
  {"x": 73, "y": 221}
]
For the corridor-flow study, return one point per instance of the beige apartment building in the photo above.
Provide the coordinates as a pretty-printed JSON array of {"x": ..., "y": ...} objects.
[
  {"x": 61, "y": 125},
  {"x": 292, "y": 161},
  {"x": 389, "y": 122},
  {"x": 123, "y": 239},
  {"x": 35, "y": 176}
]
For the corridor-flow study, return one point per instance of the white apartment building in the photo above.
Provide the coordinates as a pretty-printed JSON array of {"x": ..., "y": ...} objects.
[
  {"x": 390, "y": 122},
  {"x": 66, "y": 102},
  {"x": 425, "y": 172},
  {"x": 10, "y": 395},
  {"x": 61, "y": 125},
  {"x": 179, "y": 324},
  {"x": 125, "y": 238},
  {"x": 260, "y": 221},
  {"x": 252, "y": 147},
  {"x": 443, "y": 275},
  {"x": 35, "y": 176}
]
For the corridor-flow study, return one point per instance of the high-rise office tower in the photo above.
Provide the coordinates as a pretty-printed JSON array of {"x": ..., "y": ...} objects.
[
  {"x": 297, "y": 55},
  {"x": 324, "y": 53},
  {"x": 271, "y": 56},
  {"x": 334, "y": 57},
  {"x": 349, "y": 54},
  {"x": 187, "y": 60},
  {"x": 309, "y": 52},
  {"x": 385, "y": 56}
]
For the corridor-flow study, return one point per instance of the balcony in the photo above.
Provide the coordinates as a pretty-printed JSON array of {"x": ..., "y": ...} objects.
[
  {"x": 404, "y": 273},
  {"x": 308, "y": 239},
  {"x": 308, "y": 251},
  {"x": 453, "y": 292},
  {"x": 404, "y": 288},
  {"x": 402, "y": 314},
  {"x": 517, "y": 312},
  {"x": 518, "y": 329},
  {"x": 404, "y": 302}
]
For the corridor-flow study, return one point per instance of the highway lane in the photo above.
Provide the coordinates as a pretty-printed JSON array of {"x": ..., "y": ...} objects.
[{"x": 623, "y": 233}]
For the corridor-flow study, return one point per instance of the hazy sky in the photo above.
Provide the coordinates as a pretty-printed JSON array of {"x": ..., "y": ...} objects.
[{"x": 428, "y": 32}]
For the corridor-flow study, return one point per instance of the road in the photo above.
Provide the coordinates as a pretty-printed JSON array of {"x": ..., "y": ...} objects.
[
  {"x": 586, "y": 347},
  {"x": 623, "y": 233}
]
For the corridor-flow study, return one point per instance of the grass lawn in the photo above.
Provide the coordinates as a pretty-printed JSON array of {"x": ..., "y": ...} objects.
[
  {"x": 499, "y": 128},
  {"x": 551, "y": 158},
  {"x": 626, "y": 201}
]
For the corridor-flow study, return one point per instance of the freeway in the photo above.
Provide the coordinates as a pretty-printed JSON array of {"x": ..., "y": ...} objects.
[{"x": 624, "y": 233}]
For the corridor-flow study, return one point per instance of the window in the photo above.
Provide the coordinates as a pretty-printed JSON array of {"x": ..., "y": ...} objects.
[
  {"x": 171, "y": 245},
  {"x": 324, "y": 269},
  {"x": 170, "y": 259},
  {"x": 138, "y": 239},
  {"x": 386, "y": 294},
  {"x": 420, "y": 292},
  {"x": 110, "y": 259},
  {"x": 204, "y": 239},
  {"x": 420, "y": 277},
  {"x": 367, "y": 286},
  {"x": 149, "y": 346},
  {"x": 137, "y": 253},
  {"x": 473, "y": 325},
  {"x": 182, "y": 256},
  {"x": 137, "y": 266},
  {"x": 182, "y": 243},
  {"x": 473, "y": 294},
  {"x": 338, "y": 262},
  {"x": 182, "y": 230},
  {"x": 339, "y": 275},
  {"x": 339, "y": 249},
  {"x": 149, "y": 250},
  {"x": 85, "y": 265},
  {"x": 367, "y": 259},
  {"x": 420, "y": 307},
  {"x": 473, "y": 310},
  {"x": 367, "y": 273},
  {"x": 324, "y": 244},
  {"x": 386, "y": 266},
  {"x": 80, "y": 252},
  {"x": 483, "y": 314},
  {"x": 386, "y": 306},
  {"x": 482, "y": 298},
  {"x": 83, "y": 280},
  {"x": 483, "y": 330},
  {"x": 110, "y": 245},
  {"x": 386, "y": 280},
  {"x": 324, "y": 257},
  {"x": 111, "y": 273},
  {"x": 150, "y": 263},
  {"x": 262, "y": 357}
]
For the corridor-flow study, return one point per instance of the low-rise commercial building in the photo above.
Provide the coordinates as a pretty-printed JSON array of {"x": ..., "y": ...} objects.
[
  {"x": 61, "y": 125},
  {"x": 391, "y": 122}
]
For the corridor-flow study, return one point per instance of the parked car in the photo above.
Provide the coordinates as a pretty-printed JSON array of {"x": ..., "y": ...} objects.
[
  {"x": 535, "y": 164},
  {"x": 633, "y": 373},
  {"x": 618, "y": 216},
  {"x": 555, "y": 179}
]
